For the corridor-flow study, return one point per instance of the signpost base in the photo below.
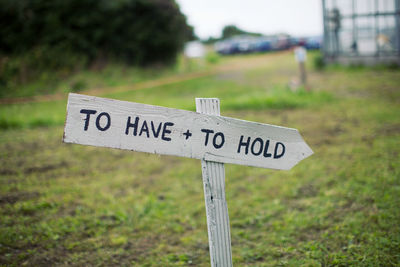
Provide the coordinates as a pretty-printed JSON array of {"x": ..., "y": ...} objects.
[{"x": 214, "y": 194}]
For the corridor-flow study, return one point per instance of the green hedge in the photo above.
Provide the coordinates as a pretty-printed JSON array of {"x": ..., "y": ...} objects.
[
  {"x": 37, "y": 35},
  {"x": 136, "y": 31}
]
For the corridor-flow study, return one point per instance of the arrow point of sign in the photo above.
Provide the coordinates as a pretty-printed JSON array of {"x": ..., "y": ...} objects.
[
  {"x": 307, "y": 151},
  {"x": 304, "y": 152}
]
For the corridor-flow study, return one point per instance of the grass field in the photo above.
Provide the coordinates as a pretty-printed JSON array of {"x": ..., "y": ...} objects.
[{"x": 63, "y": 205}]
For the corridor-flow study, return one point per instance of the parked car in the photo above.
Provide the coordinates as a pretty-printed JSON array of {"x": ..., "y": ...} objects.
[
  {"x": 263, "y": 44},
  {"x": 245, "y": 44},
  {"x": 235, "y": 45},
  {"x": 313, "y": 43},
  {"x": 226, "y": 47},
  {"x": 250, "y": 44}
]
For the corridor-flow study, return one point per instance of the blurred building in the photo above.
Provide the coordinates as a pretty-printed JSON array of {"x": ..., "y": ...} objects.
[
  {"x": 361, "y": 31},
  {"x": 194, "y": 49}
]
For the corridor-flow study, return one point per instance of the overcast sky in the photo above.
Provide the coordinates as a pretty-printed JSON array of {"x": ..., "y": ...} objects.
[{"x": 296, "y": 17}]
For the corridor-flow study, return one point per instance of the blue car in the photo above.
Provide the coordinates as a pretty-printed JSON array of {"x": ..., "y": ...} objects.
[
  {"x": 313, "y": 43},
  {"x": 263, "y": 45}
]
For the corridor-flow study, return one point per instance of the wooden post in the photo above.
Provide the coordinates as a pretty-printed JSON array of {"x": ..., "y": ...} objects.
[
  {"x": 303, "y": 74},
  {"x": 301, "y": 55},
  {"x": 214, "y": 194}
]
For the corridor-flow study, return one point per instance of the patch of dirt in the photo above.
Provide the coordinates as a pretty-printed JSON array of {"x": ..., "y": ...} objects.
[
  {"x": 11, "y": 198},
  {"x": 236, "y": 76},
  {"x": 134, "y": 251},
  {"x": 47, "y": 258},
  {"x": 351, "y": 207},
  {"x": 45, "y": 168},
  {"x": 307, "y": 190},
  {"x": 386, "y": 130},
  {"x": 389, "y": 129},
  {"x": 7, "y": 172},
  {"x": 323, "y": 135},
  {"x": 311, "y": 233}
]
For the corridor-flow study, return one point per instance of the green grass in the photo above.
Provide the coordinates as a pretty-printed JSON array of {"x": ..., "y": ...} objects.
[
  {"x": 82, "y": 206},
  {"x": 32, "y": 115},
  {"x": 246, "y": 90},
  {"x": 109, "y": 75},
  {"x": 233, "y": 97},
  {"x": 279, "y": 98}
]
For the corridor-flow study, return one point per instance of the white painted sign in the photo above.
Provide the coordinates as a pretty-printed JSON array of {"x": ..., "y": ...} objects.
[
  {"x": 126, "y": 125},
  {"x": 204, "y": 135}
]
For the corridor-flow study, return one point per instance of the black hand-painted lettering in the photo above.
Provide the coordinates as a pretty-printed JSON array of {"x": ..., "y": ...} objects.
[
  {"x": 187, "y": 134},
  {"x": 166, "y": 131},
  {"x": 276, "y": 156},
  {"x": 108, "y": 124},
  {"x": 245, "y": 144},
  {"x": 144, "y": 129},
  {"x": 253, "y": 145},
  {"x": 266, "y": 154},
  {"x": 88, "y": 112},
  {"x": 207, "y": 131},
  {"x": 221, "y": 135},
  {"x": 156, "y": 132},
  {"x": 134, "y": 125}
]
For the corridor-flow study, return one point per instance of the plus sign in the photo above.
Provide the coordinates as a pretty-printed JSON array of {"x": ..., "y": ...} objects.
[{"x": 187, "y": 134}]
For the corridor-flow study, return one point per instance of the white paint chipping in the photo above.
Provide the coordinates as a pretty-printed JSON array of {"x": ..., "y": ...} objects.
[{"x": 193, "y": 147}]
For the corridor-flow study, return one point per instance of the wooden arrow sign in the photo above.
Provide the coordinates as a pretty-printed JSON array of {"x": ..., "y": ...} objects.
[
  {"x": 126, "y": 125},
  {"x": 204, "y": 135}
]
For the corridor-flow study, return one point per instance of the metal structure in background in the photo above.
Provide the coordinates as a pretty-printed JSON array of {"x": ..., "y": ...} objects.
[{"x": 361, "y": 31}]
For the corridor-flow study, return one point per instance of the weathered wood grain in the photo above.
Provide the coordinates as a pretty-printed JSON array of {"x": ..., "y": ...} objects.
[{"x": 219, "y": 236}]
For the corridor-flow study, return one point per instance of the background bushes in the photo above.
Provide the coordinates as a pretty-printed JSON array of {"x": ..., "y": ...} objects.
[{"x": 40, "y": 35}]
